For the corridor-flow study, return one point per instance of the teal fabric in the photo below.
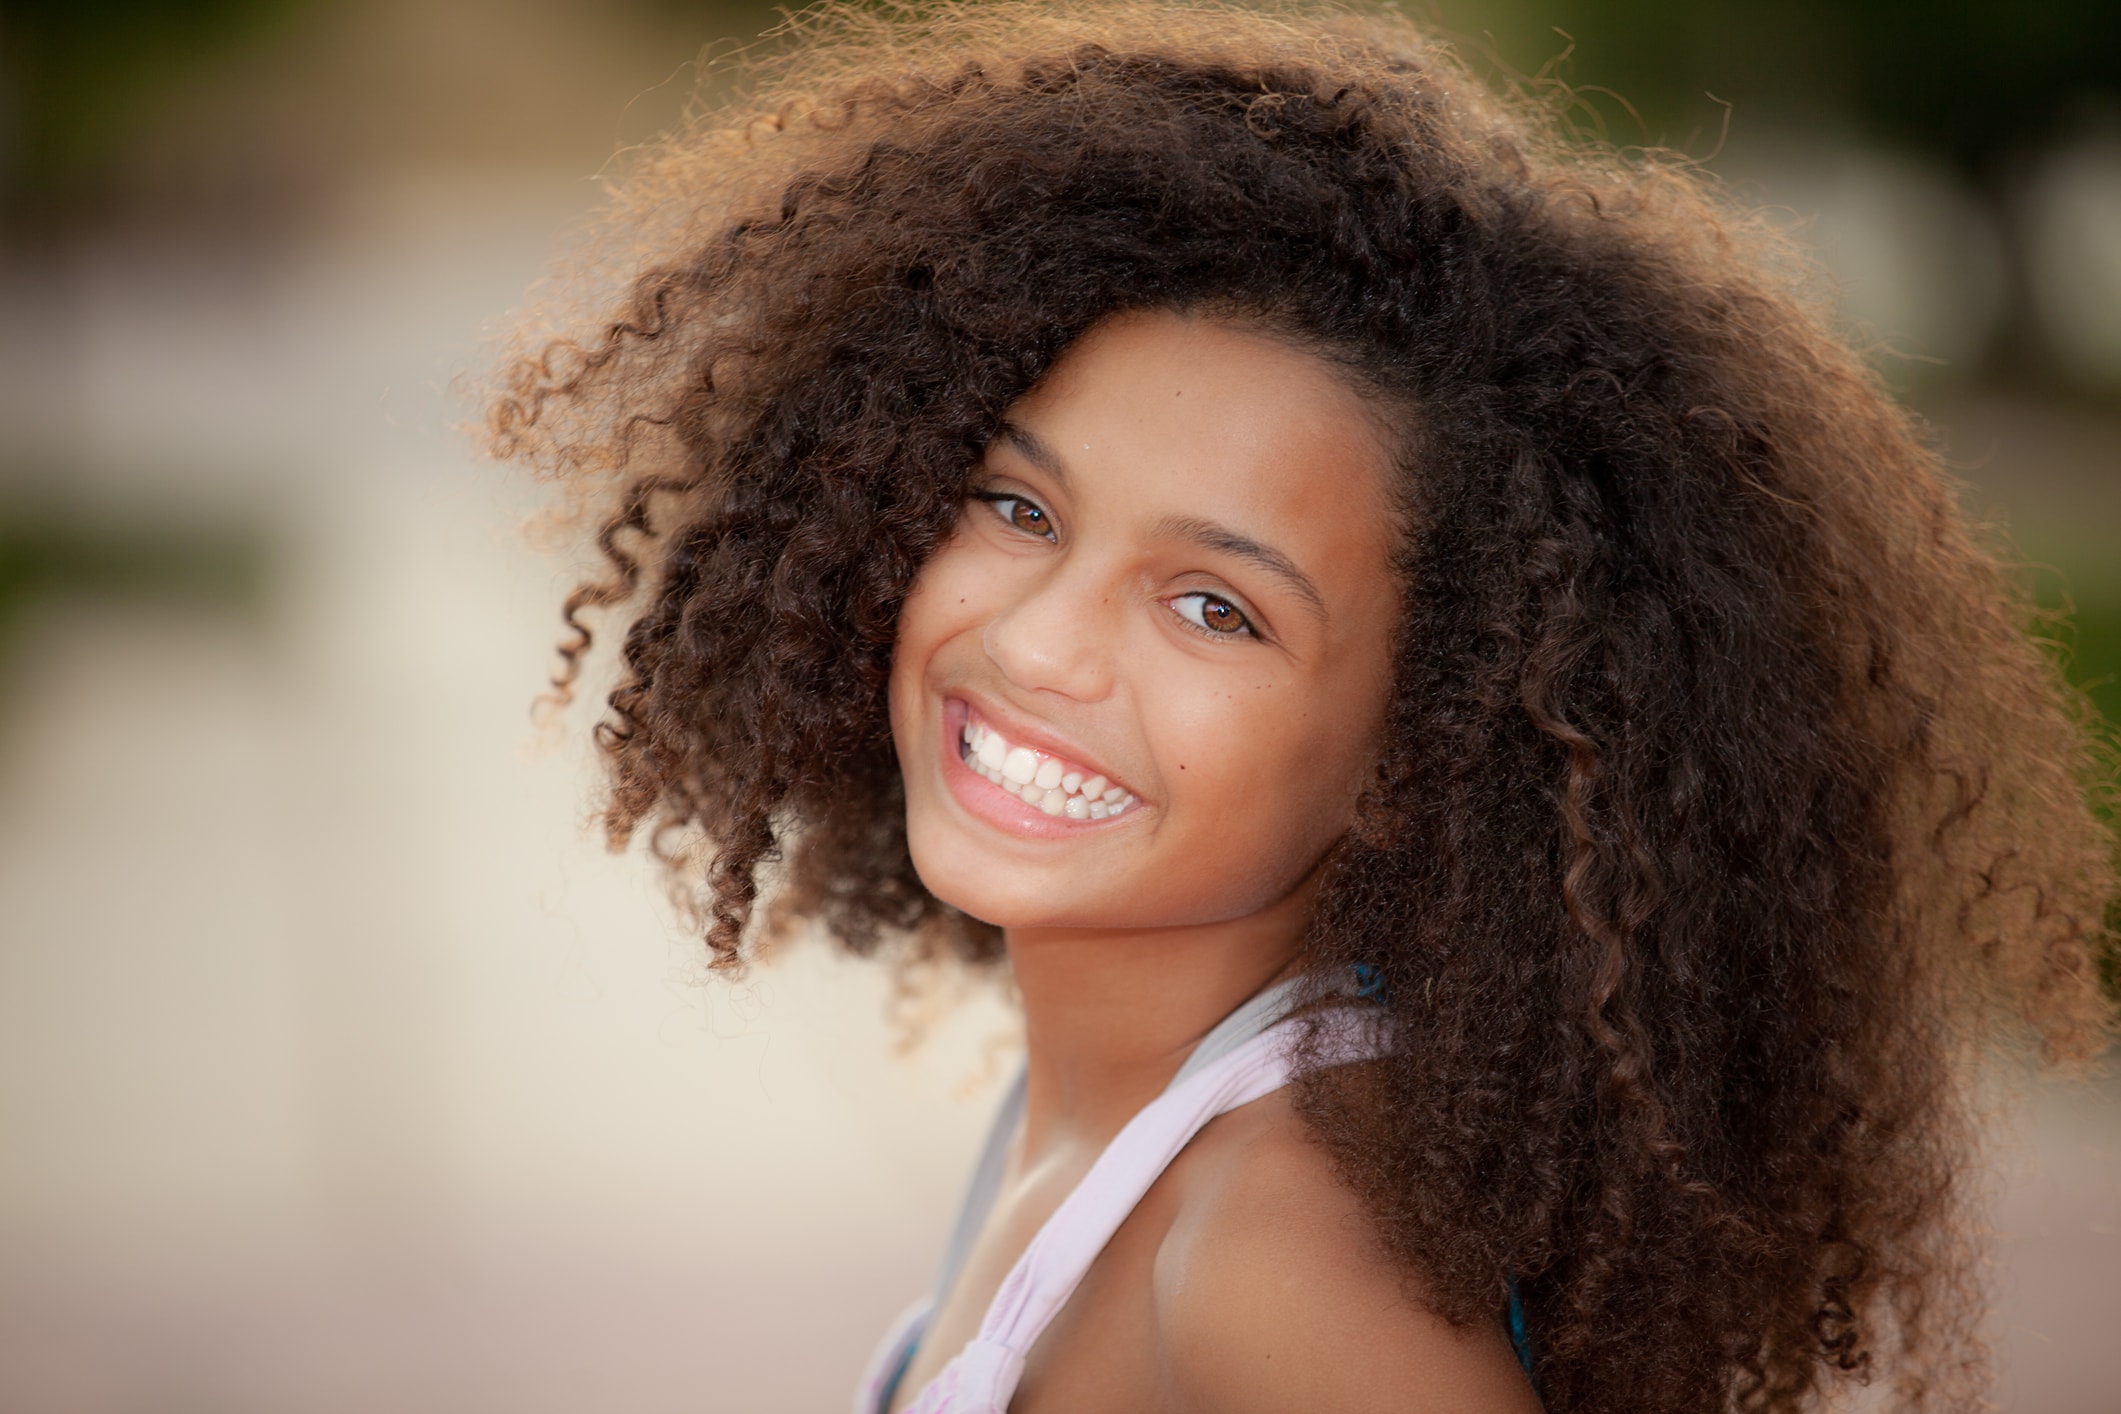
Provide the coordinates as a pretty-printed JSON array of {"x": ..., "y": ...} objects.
[{"x": 1520, "y": 1338}]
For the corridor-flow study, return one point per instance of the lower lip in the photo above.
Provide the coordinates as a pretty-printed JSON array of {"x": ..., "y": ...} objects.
[{"x": 996, "y": 806}]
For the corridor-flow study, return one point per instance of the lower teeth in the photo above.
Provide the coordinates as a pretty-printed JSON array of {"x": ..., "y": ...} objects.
[{"x": 1071, "y": 805}]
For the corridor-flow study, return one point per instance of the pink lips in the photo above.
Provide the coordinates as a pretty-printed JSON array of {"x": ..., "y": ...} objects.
[{"x": 991, "y": 802}]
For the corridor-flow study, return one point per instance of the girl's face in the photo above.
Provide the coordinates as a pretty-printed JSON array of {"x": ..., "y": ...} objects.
[{"x": 1140, "y": 685}]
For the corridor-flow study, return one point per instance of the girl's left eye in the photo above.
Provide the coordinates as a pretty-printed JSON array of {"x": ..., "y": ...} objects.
[{"x": 1211, "y": 614}]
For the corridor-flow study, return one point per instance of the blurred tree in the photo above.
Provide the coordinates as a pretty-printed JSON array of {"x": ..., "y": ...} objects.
[
  {"x": 76, "y": 75},
  {"x": 1977, "y": 83},
  {"x": 1983, "y": 86},
  {"x": 51, "y": 552}
]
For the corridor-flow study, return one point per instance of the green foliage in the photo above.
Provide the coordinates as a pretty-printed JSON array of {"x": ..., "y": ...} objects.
[
  {"x": 2093, "y": 659},
  {"x": 75, "y": 75},
  {"x": 2088, "y": 646},
  {"x": 47, "y": 554},
  {"x": 1973, "y": 83}
]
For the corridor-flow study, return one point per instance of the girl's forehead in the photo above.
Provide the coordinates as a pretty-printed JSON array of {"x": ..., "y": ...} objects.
[{"x": 1160, "y": 404}]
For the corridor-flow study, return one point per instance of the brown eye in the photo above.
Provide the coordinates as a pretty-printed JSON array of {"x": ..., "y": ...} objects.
[
  {"x": 1021, "y": 514},
  {"x": 1212, "y": 615}
]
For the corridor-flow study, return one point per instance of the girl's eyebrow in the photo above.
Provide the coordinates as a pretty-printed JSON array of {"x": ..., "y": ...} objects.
[
  {"x": 1223, "y": 540},
  {"x": 1204, "y": 533},
  {"x": 1026, "y": 442}
]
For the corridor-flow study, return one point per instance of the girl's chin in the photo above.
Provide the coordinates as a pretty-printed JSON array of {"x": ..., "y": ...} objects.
[
  {"x": 1001, "y": 888},
  {"x": 1000, "y": 892}
]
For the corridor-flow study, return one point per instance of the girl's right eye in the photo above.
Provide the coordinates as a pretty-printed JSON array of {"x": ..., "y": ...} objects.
[{"x": 1021, "y": 513}]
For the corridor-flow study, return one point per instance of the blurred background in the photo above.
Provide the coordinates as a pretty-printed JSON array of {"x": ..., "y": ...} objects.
[{"x": 340, "y": 1069}]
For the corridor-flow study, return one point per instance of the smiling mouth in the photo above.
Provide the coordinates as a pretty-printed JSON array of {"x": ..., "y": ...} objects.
[{"x": 1056, "y": 786}]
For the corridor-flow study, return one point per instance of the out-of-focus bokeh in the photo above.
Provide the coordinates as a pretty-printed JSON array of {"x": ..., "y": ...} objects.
[{"x": 340, "y": 1069}]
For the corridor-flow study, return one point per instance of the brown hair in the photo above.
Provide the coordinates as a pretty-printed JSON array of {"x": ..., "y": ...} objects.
[{"x": 1726, "y": 808}]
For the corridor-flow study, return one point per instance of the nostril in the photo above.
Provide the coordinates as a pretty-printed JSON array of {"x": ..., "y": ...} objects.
[{"x": 1048, "y": 643}]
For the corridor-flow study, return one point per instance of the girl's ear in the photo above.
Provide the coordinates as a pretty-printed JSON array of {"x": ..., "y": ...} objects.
[
  {"x": 1372, "y": 827},
  {"x": 1379, "y": 819},
  {"x": 1376, "y": 823}
]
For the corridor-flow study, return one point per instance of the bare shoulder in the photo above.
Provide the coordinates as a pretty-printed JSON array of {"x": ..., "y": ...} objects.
[{"x": 1273, "y": 1291}]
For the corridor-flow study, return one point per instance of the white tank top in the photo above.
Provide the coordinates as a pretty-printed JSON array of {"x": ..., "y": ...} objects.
[{"x": 1246, "y": 1056}]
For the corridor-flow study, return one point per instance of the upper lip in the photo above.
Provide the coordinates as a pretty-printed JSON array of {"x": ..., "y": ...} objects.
[{"x": 1017, "y": 732}]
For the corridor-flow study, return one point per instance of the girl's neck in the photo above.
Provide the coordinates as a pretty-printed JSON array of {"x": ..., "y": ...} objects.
[{"x": 1111, "y": 1014}]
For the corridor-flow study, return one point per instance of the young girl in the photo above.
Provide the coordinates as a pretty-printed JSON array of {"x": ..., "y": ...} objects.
[{"x": 1509, "y": 794}]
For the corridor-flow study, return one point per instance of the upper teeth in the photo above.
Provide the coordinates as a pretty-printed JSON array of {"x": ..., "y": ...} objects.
[{"x": 1055, "y": 786}]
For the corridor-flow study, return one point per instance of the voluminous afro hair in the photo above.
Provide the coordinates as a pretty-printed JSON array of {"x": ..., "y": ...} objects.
[{"x": 1726, "y": 808}]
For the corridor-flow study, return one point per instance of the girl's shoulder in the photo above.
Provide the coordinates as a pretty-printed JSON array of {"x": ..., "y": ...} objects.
[{"x": 1273, "y": 1290}]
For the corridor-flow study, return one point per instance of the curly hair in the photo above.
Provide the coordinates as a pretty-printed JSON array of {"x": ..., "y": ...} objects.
[{"x": 1727, "y": 810}]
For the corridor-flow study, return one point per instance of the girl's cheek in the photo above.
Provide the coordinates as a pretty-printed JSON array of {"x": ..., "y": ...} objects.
[
  {"x": 921, "y": 628},
  {"x": 959, "y": 588},
  {"x": 1272, "y": 765},
  {"x": 935, "y": 593}
]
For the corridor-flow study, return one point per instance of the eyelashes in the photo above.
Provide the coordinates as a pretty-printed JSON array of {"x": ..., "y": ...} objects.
[
  {"x": 1019, "y": 513},
  {"x": 1210, "y": 615}
]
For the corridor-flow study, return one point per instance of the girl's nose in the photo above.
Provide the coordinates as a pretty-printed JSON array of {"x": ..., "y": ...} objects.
[{"x": 1059, "y": 635}]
